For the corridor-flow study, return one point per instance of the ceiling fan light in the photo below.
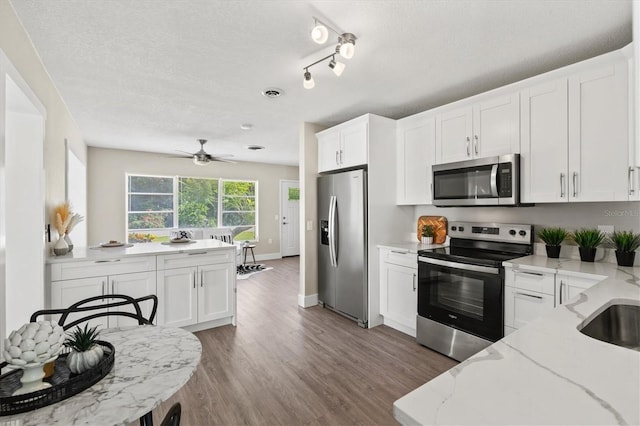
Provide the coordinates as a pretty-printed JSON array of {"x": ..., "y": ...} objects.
[
  {"x": 320, "y": 34},
  {"x": 197, "y": 161},
  {"x": 336, "y": 67},
  {"x": 308, "y": 82}
]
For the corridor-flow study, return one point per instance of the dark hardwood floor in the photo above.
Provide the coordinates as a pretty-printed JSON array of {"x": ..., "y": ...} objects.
[{"x": 283, "y": 364}]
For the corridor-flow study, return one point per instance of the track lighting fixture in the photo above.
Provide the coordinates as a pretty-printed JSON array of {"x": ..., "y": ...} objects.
[{"x": 345, "y": 48}]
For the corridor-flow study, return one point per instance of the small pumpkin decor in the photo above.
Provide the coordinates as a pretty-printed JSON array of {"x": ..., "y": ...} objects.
[{"x": 85, "y": 353}]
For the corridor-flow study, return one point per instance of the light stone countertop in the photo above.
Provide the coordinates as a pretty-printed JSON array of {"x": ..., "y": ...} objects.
[
  {"x": 410, "y": 247},
  {"x": 140, "y": 249},
  {"x": 546, "y": 373}
]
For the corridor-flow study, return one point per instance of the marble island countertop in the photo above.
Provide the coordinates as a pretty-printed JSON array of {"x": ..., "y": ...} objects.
[
  {"x": 140, "y": 249},
  {"x": 546, "y": 373}
]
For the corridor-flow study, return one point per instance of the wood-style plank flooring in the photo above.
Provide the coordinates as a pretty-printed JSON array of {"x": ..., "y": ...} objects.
[{"x": 285, "y": 365}]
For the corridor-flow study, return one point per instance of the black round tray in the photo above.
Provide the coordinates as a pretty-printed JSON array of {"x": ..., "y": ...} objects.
[{"x": 64, "y": 384}]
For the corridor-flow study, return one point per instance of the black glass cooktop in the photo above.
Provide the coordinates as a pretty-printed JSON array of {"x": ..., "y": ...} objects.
[{"x": 478, "y": 252}]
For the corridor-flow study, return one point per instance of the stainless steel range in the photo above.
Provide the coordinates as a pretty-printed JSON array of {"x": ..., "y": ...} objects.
[{"x": 460, "y": 287}]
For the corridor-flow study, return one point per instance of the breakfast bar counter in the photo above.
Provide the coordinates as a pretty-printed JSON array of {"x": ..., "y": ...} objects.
[{"x": 547, "y": 372}]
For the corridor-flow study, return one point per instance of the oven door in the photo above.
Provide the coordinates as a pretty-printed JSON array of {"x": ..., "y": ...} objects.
[{"x": 463, "y": 296}]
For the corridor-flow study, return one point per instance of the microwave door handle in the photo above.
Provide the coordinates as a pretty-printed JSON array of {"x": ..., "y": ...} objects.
[{"x": 494, "y": 181}]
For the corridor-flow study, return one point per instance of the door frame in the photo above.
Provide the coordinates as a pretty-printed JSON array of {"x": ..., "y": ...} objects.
[{"x": 280, "y": 200}]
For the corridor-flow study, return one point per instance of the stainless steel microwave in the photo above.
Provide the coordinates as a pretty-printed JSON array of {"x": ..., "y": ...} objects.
[{"x": 489, "y": 181}]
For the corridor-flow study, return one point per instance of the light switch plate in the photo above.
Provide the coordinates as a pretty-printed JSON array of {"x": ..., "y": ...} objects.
[
  {"x": 607, "y": 229},
  {"x": 309, "y": 225}
]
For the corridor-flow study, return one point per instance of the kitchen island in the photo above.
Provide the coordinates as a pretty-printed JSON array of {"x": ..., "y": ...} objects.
[
  {"x": 195, "y": 282},
  {"x": 546, "y": 372}
]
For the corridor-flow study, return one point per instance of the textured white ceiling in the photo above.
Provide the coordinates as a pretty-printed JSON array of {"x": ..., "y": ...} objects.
[{"x": 155, "y": 75}]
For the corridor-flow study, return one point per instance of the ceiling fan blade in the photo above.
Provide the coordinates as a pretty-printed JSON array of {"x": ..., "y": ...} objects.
[
  {"x": 180, "y": 156},
  {"x": 185, "y": 152},
  {"x": 219, "y": 155},
  {"x": 222, "y": 160}
]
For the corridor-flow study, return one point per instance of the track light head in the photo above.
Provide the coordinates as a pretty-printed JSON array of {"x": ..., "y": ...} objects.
[
  {"x": 336, "y": 67},
  {"x": 346, "y": 47},
  {"x": 308, "y": 82},
  {"x": 320, "y": 33}
]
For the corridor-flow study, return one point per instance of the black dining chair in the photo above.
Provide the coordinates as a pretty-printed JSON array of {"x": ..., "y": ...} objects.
[
  {"x": 172, "y": 418},
  {"x": 105, "y": 309}
]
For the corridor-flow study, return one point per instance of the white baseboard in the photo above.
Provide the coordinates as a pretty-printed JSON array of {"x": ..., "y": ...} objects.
[
  {"x": 266, "y": 256},
  {"x": 307, "y": 301}
]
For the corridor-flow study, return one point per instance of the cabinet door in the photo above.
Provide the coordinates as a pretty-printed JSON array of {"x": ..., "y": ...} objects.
[
  {"x": 399, "y": 297},
  {"x": 453, "y": 135},
  {"x": 215, "y": 291},
  {"x": 570, "y": 286},
  {"x": 523, "y": 306},
  {"x": 134, "y": 285},
  {"x": 177, "y": 295},
  {"x": 496, "y": 125},
  {"x": 545, "y": 149},
  {"x": 415, "y": 155},
  {"x": 66, "y": 293},
  {"x": 354, "y": 145},
  {"x": 599, "y": 134},
  {"x": 328, "y": 151}
]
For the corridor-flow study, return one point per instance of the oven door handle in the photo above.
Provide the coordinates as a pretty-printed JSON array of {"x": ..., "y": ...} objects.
[
  {"x": 494, "y": 181},
  {"x": 463, "y": 266}
]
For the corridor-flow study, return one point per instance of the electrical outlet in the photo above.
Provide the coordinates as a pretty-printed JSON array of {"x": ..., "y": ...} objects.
[
  {"x": 607, "y": 229},
  {"x": 270, "y": 240}
]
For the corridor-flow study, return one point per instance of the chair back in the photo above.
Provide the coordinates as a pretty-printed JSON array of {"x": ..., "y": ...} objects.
[{"x": 102, "y": 310}]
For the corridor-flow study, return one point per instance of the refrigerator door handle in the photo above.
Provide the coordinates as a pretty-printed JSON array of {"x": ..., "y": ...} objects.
[{"x": 332, "y": 231}]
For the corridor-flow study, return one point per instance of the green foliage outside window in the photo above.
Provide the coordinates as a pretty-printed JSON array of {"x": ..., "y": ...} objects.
[{"x": 197, "y": 203}]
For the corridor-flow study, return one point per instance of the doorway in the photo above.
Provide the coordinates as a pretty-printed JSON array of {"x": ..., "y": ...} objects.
[{"x": 289, "y": 218}]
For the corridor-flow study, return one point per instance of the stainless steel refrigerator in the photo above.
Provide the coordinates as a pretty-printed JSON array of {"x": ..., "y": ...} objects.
[{"x": 342, "y": 251}]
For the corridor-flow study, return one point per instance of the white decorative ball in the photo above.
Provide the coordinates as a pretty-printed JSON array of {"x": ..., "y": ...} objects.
[{"x": 33, "y": 343}]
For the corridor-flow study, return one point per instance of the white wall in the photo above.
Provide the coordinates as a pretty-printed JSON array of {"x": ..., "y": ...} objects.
[{"x": 106, "y": 187}]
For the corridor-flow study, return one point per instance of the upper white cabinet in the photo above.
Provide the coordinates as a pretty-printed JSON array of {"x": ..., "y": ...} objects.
[
  {"x": 485, "y": 128},
  {"x": 343, "y": 146},
  {"x": 415, "y": 153},
  {"x": 575, "y": 137}
]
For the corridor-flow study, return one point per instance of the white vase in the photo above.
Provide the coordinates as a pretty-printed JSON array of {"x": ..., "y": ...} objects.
[
  {"x": 60, "y": 248},
  {"x": 67, "y": 239},
  {"x": 427, "y": 240}
]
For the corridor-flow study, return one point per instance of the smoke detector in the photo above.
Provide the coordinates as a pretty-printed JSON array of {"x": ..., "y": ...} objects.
[{"x": 272, "y": 92}]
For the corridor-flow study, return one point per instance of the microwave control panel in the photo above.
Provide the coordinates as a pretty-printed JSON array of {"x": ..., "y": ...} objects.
[{"x": 505, "y": 180}]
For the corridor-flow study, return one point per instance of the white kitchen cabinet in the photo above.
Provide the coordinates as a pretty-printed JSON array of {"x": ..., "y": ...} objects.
[
  {"x": 343, "y": 146},
  {"x": 415, "y": 153},
  {"x": 486, "y": 128},
  {"x": 527, "y": 296},
  {"x": 569, "y": 286},
  {"x": 195, "y": 288},
  {"x": 64, "y": 293},
  {"x": 398, "y": 289}
]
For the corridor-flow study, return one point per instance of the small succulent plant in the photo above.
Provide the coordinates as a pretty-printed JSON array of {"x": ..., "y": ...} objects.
[
  {"x": 81, "y": 340},
  {"x": 625, "y": 241},
  {"x": 427, "y": 231},
  {"x": 553, "y": 236},
  {"x": 588, "y": 238}
]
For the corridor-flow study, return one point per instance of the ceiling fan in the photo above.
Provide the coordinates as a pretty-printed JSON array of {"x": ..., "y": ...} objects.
[{"x": 201, "y": 158}]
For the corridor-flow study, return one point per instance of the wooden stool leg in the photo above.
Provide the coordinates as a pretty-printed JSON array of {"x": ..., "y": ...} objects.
[
  {"x": 252, "y": 255},
  {"x": 245, "y": 255}
]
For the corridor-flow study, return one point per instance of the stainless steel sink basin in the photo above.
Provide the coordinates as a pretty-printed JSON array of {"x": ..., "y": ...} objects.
[{"x": 619, "y": 324}]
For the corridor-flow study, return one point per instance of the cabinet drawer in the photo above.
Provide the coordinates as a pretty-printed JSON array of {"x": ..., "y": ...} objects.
[
  {"x": 102, "y": 267},
  {"x": 397, "y": 257},
  {"x": 539, "y": 282},
  {"x": 184, "y": 260}
]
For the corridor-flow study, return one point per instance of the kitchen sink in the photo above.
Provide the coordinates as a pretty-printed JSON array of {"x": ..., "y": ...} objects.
[{"x": 619, "y": 324}]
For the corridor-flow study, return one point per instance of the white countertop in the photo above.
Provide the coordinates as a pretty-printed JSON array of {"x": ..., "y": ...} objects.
[
  {"x": 410, "y": 247},
  {"x": 546, "y": 372},
  {"x": 140, "y": 249}
]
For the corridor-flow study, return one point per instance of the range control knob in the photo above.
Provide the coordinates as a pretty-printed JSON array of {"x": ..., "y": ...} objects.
[
  {"x": 454, "y": 228},
  {"x": 522, "y": 233},
  {"x": 512, "y": 232},
  {"x": 461, "y": 228}
]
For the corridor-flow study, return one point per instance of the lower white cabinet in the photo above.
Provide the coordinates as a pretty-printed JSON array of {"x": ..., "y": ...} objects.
[
  {"x": 569, "y": 286},
  {"x": 527, "y": 296},
  {"x": 398, "y": 290},
  {"x": 194, "y": 289},
  {"x": 64, "y": 293}
]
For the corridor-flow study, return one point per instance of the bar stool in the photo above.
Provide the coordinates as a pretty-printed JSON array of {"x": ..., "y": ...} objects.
[{"x": 247, "y": 247}]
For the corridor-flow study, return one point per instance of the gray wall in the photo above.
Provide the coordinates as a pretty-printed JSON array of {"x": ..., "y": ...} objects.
[{"x": 622, "y": 215}]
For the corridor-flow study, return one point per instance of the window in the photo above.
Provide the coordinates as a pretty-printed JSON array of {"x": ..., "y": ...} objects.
[{"x": 156, "y": 204}]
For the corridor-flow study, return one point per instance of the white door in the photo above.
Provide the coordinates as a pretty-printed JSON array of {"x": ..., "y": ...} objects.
[
  {"x": 353, "y": 145},
  {"x": 496, "y": 124},
  {"x": 215, "y": 291},
  {"x": 66, "y": 293},
  {"x": 290, "y": 217},
  {"x": 177, "y": 297},
  {"x": 453, "y": 135},
  {"x": 135, "y": 285}
]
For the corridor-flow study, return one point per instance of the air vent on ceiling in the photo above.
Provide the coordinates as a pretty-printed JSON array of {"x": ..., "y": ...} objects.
[{"x": 272, "y": 92}]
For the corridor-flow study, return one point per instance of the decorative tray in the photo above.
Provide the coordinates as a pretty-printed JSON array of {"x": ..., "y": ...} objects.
[
  {"x": 439, "y": 225},
  {"x": 64, "y": 384}
]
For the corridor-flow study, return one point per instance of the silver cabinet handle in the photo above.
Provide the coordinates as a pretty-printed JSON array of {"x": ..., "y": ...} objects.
[
  {"x": 113, "y": 286},
  {"x": 194, "y": 280},
  {"x": 468, "y": 147},
  {"x": 475, "y": 146},
  {"x": 107, "y": 261},
  {"x": 631, "y": 189},
  {"x": 431, "y": 189},
  {"x": 399, "y": 252},
  {"x": 529, "y": 295},
  {"x": 340, "y": 156},
  {"x": 575, "y": 185},
  {"x": 414, "y": 282},
  {"x": 104, "y": 284},
  {"x": 528, "y": 273},
  {"x": 196, "y": 253},
  {"x": 201, "y": 278},
  {"x": 337, "y": 163},
  {"x": 561, "y": 185},
  {"x": 561, "y": 285}
]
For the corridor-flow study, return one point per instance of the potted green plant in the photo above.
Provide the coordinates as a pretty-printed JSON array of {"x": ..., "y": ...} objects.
[
  {"x": 588, "y": 240},
  {"x": 553, "y": 238},
  {"x": 626, "y": 244},
  {"x": 427, "y": 234},
  {"x": 85, "y": 352}
]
